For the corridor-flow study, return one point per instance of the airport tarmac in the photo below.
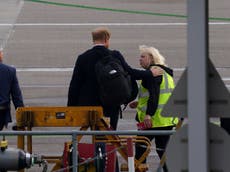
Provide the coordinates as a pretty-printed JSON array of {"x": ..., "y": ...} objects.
[
  {"x": 46, "y": 39},
  {"x": 42, "y": 39}
]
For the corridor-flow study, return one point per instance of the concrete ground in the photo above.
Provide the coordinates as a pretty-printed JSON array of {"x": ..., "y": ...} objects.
[{"x": 43, "y": 39}]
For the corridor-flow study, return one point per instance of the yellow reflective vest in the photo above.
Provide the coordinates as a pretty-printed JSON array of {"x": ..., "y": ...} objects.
[{"x": 166, "y": 87}]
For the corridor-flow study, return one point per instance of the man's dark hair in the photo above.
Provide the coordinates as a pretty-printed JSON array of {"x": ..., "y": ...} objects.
[{"x": 101, "y": 33}]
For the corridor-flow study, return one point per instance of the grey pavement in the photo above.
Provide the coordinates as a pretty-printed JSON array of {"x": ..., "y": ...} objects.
[
  {"x": 49, "y": 37},
  {"x": 43, "y": 40}
]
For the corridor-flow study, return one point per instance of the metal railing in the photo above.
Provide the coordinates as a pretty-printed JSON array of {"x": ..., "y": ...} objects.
[{"x": 75, "y": 133}]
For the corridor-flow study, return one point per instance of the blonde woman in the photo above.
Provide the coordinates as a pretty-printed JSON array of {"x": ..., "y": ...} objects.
[{"x": 153, "y": 95}]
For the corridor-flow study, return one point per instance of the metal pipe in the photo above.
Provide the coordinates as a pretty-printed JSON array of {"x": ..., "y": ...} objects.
[
  {"x": 74, "y": 152},
  {"x": 129, "y": 132}
]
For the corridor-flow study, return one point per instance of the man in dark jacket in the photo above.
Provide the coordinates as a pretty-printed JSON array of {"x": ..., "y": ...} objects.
[
  {"x": 83, "y": 89},
  {"x": 9, "y": 88}
]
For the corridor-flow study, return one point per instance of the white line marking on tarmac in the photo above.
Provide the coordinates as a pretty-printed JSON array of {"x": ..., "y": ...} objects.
[
  {"x": 45, "y": 86},
  {"x": 44, "y": 69},
  {"x": 107, "y": 24},
  {"x": 225, "y": 79},
  {"x": 37, "y": 69}
]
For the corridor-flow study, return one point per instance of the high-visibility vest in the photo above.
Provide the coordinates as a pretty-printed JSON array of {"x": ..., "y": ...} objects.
[{"x": 166, "y": 87}]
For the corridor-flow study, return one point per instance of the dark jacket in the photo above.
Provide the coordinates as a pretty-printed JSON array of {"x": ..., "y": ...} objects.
[
  {"x": 83, "y": 89},
  {"x": 9, "y": 89}
]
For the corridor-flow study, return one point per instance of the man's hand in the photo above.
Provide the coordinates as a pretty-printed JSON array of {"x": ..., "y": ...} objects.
[
  {"x": 157, "y": 71},
  {"x": 133, "y": 104}
]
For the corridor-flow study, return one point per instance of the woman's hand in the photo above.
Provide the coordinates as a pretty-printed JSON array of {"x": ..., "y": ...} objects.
[{"x": 148, "y": 121}]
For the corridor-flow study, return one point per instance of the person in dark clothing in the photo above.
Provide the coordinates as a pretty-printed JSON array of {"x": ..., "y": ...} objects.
[
  {"x": 153, "y": 95},
  {"x": 9, "y": 88},
  {"x": 83, "y": 88},
  {"x": 225, "y": 124}
]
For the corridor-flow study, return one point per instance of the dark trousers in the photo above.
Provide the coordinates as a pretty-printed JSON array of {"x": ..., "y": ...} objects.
[
  {"x": 113, "y": 114},
  {"x": 2, "y": 119},
  {"x": 160, "y": 141}
]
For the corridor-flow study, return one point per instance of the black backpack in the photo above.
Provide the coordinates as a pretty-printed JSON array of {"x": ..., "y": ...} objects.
[{"x": 116, "y": 86}]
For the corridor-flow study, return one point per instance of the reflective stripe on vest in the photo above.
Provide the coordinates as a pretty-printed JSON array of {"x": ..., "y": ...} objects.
[{"x": 166, "y": 87}]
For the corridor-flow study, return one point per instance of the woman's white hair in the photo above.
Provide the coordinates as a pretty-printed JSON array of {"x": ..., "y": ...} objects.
[{"x": 154, "y": 53}]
